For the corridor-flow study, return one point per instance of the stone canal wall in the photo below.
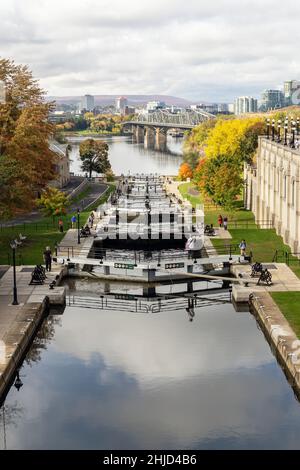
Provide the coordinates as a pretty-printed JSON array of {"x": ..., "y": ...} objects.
[
  {"x": 20, "y": 323},
  {"x": 18, "y": 338},
  {"x": 279, "y": 334}
]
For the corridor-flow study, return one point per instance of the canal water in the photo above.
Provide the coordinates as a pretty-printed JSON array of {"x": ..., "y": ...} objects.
[
  {"x": 96, "y": 379},
  {"x": 126, "y": 157}
]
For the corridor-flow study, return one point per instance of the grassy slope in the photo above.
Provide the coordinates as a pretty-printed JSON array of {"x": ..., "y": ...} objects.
[
  {"x": 289, "y": 302},
  {"x": 262, "y": 242},
  {"x": 39, "y": 235}
]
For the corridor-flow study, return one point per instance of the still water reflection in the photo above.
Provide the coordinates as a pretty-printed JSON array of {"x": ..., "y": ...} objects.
[
  {"x": 127, "y": 157},
  {"x": 118, "y": 380}
]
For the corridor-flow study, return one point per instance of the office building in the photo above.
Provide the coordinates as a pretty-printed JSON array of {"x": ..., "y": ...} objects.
[
  {"x": 289, "y": 89},
  {"x": 87, "y": 103},
  {"x": 155, "y": 105},
  {"x": 121, "y": 104},
  {"x": 271, "y": 99},
  {"x": 245, "y": 104}
]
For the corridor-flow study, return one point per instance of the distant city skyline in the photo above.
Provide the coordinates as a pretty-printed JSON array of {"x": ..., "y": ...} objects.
[{"x": 201, "y": 52}]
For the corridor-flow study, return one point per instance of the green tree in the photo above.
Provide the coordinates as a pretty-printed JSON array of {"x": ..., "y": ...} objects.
[
  {"x": 15, "y": 189},
  {"x": 220, "y": 180},
  {"x": 94, "y": 156},
  {"x": 53, "y": 202}
]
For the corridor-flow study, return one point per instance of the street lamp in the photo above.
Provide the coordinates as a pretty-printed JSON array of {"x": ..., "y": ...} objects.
[
  {"x": 279, "y": 131},
  {"x": 293, "y": 134},
  {"x": 78, "y": 226},
  {"x": 13, "y": 246},
  {"x": 268, "y": 129},
  {"x": 286, "y": 125},
  {"x": 273, "y": 129}
]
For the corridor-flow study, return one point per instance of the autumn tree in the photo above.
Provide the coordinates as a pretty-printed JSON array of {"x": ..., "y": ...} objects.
[
  {"x": 53, "y": 202},
  {"x": 185, "y": 171},
  {"x": 15, "y": 187},
  {"x": 94, "y": 156},
  {"x": 24, "y": 131},
  {"x": 228, "y": 145},
  {"x": 194, "y": 144}
]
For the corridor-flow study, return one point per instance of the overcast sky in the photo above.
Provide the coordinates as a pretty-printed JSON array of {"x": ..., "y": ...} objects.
[{"x": 197, "y": 49}]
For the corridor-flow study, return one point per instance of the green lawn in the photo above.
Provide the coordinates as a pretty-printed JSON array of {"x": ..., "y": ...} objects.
[
  {"x": 39, "y": 235},
  {"x": 262, "y": 242},
  {"x": 289, "y": 302},
  {"x": 238, "y": 217}
]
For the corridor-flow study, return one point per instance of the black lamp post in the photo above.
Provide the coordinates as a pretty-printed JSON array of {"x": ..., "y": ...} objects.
[
  {"x": 293, "y": 134},
  {"x": 14, "y": 247},
  {"x": 279, "y": 131},
  {"x": 297, "y": 126},
  {"x": 286, "y": 125},
  {"x": 273, "y": 129},
  {"x": 268, "y": 128},
  {"x": 78, "y": 226}
]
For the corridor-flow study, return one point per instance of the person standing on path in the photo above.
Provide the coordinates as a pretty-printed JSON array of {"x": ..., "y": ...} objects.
[
  {"x": 220, "y": 221},
  {"x": 242, "y": 247},
  {"x": 48, "y": 258},
  {"x": 225, "y": 222},
  {"x": 61, "y": 225},
  {"x": 73, "y": 221}
]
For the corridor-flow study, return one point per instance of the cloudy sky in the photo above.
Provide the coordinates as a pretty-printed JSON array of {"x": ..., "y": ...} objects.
[{"x": 195, "y": 49}]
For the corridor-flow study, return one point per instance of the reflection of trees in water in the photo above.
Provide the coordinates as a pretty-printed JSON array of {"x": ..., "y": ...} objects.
[
  {"x": 42, "y": 339},
  {"x": 9, "y": 416}
]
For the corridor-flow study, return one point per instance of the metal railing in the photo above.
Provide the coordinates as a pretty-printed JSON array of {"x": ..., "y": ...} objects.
[
  {"x": 138, "y": 256},
  {"x": 286, "y": 257},
  {"x": 132, "y": 304},
  {"x": 33, "y": 227}
]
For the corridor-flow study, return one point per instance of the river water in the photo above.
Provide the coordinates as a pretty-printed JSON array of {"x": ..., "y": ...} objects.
[
  {"x": 97, "y": 379},
  {"x": 126, "y": 157}
]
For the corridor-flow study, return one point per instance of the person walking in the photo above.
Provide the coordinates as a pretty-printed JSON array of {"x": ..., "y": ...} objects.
[
  {"x": 225, "y": 222},
  {"x": 48, "y": 258},
  {"x": 220, "y": 221},
  {"x": 242, "y": 247},
  {"x": 73, "y": 221},
  {"x": 61, "y": 225}
]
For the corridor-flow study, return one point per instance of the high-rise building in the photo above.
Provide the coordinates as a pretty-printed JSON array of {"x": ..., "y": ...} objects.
[
  {"x": 87, "y": 103},
  {"x": 154, "y": 105},
  {"x": 271, "y": 99},
  {"x": 289, "y": 87},
  {"x": 245, "y": 104},
  {"x": 121, "y": 104}
]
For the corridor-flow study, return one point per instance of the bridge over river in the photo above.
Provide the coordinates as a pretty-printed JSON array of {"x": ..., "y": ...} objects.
[{"x": 151, "y": 128}]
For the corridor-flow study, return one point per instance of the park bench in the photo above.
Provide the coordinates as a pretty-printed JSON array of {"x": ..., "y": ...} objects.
[
  {"x": 256, "y": 269},
  {"x": 209, "y": 230},
  {"x": 265, "y": 277},
  {"x": 38, "y": 275}
]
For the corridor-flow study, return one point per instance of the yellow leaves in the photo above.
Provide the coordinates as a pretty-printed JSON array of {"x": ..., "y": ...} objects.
[{"x": 225, "y": 138}]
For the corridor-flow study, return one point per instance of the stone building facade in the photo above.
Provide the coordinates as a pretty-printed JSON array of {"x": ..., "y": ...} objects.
[
  {"x": 62, "y": 164},
  {"x": 272, "y": 190}
]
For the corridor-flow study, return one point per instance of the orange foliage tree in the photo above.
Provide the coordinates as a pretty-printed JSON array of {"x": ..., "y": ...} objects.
[{"x": 185, "y": 172}]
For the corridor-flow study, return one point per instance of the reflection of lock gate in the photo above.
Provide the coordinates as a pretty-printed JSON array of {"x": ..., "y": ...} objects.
[{"x": 135, "y": 304}]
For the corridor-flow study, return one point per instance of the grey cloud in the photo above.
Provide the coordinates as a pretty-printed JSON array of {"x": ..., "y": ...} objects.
[{"x": 204, "y": 51}]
